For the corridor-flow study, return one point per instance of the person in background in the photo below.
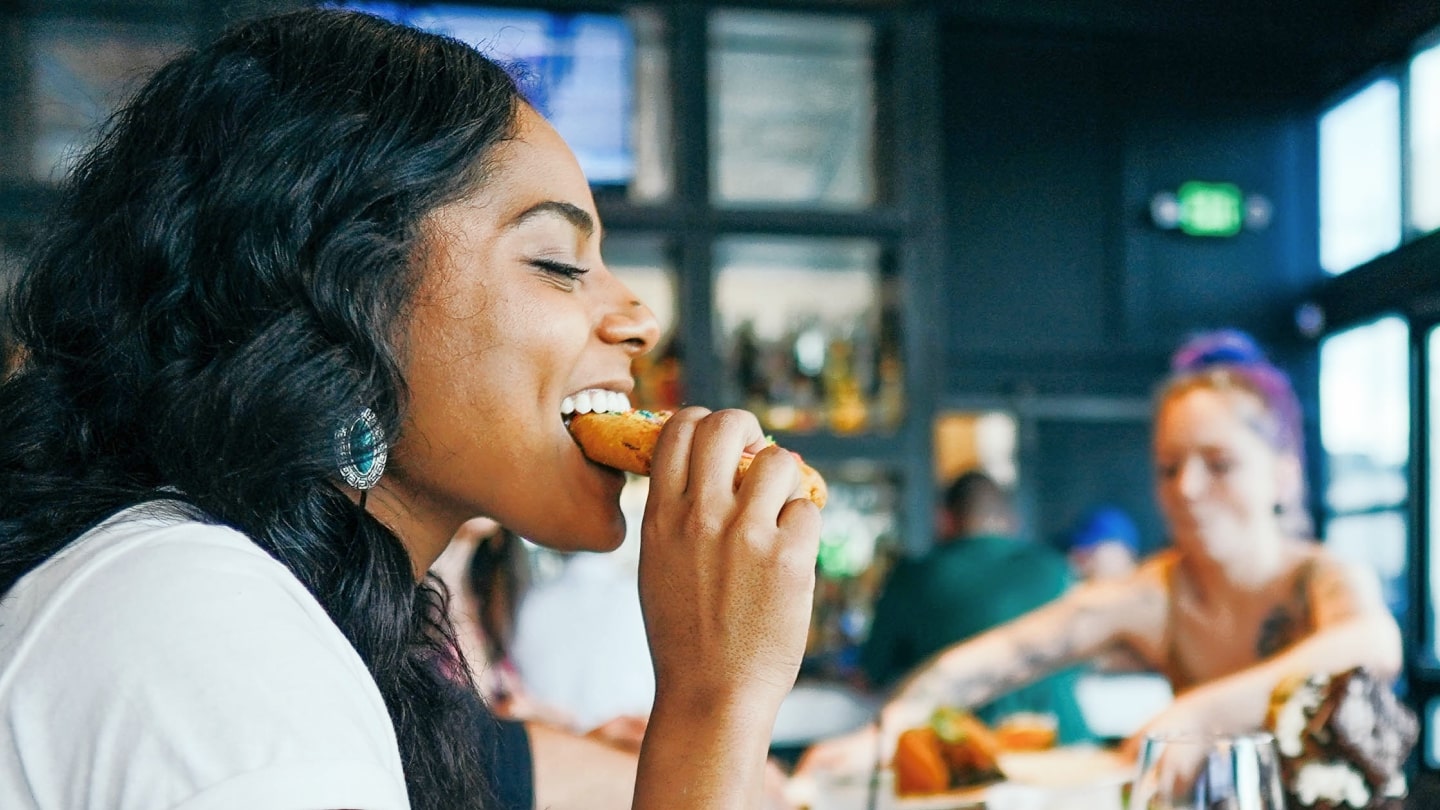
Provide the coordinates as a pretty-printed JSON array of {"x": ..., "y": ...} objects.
[
  {"x": 1104, "y": 544},
  {"x": 485, "y": 570},
  {"x": 577, "y": 766},
  {"x": 978, "y": 575},
  {"x": 1244, "y": 599},
  {"x": 313, "y": 302},
  {"x": 579, "y": 641}
]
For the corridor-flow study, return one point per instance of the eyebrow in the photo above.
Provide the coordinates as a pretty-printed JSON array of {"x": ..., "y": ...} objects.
[{"x": 573, "y": 214}]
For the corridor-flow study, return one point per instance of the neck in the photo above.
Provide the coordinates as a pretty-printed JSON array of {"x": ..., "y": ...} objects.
[
  {"x": 423, "y": 536},
  {"x": 1265, "y": 562}
]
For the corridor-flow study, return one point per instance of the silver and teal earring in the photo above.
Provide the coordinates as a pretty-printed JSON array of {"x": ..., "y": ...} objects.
[{"x": 361, "y": 450}]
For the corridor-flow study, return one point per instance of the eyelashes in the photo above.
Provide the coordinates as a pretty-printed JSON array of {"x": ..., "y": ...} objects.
[{"x": 569, "y": 272}]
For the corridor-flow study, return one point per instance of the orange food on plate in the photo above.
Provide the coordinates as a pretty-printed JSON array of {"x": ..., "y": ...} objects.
[
  {"x": 919, "y": 766},
  {"x": 1026, "y": 732},
  {"x": 969, "y": 746},
  {"x": 955, "y": 750}
]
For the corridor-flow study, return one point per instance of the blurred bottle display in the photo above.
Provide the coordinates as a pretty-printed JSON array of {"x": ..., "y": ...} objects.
[
  {"x": 856, "y": 548},
  {"x": 659, "y": 379},
  {"x": 809, "y": 333},
  {"x": 646, "y": 265}
]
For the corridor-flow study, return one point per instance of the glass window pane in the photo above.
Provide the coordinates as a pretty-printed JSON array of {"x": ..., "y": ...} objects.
[
  {"x": 809, "y": 332},
  {"x": 651, "y": 127},
  {"x": 983, "y": 440},
  {"x": 582, "y": 71},
  {"x": 81, "y": 72},
  {"x": 1360, "y": 177},
  {"x": 1365, "y": 415},
  {"x": 1432, "y": 733},
  {"x": 792, "y": 109},
  {"x": 1376, "y": 540},
  {"x": 1424, "y": 118},
  {"x": 644, "y": 264},
  {"x": 1432, "y": 430}
]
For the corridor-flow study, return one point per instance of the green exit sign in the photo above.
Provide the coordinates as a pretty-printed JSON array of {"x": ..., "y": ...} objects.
[{"x": 1210, "y": 209}]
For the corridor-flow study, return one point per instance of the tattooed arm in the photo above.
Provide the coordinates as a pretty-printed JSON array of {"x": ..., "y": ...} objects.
[
  {"x": 1078, "y": 625},
  {"x": 1351, "y": 627},
  {"x": 1075, "y": 627}
]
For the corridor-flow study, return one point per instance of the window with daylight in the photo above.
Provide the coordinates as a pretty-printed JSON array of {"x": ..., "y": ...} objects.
[
  {"x": 1365, "y": 433},
  {"x": 1360, "y": 177}
]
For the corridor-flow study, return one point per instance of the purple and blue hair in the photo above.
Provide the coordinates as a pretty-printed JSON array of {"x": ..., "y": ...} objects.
[{"x": 1229, "y": 358}]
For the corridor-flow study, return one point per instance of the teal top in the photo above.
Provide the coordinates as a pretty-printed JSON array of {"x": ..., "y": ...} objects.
[{"x": 958, "y": 590}]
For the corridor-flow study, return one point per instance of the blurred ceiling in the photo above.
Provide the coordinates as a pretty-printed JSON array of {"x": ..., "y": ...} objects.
[
  {"x": 1299, "y": 50},
  {"x": 1291, "y": 50}
]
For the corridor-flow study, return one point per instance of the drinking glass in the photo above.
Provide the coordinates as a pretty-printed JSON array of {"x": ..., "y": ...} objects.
[{"x": 1208, "y": 772}]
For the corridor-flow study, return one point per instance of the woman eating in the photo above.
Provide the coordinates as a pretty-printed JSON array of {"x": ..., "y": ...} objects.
[
  {"x": 314, "y": 301},
  {"x": 1243, "y": 599}
]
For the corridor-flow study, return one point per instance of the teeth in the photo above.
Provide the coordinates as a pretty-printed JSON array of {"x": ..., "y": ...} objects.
[{"x": 594, "y": 400}]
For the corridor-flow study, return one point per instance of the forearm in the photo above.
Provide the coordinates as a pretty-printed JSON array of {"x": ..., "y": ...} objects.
[
  {"x": 578, "y": 773},
  {"x": 1239, "y": 702},
  {"x": 996, "y": 662},
  {"x": 704, "y": 753}
]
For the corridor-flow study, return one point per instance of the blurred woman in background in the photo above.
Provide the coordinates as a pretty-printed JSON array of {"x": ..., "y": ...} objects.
[{"x": 1244, "y": 598}]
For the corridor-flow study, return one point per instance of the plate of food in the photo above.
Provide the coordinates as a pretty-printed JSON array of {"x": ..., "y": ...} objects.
[
  {"x": 955, "y": 760},
  {"x": 947, "y": 763}
]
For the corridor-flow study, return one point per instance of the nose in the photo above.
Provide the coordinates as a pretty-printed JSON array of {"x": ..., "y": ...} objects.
[
  {"x": 1191, "y": 479},
  {"x": 630, "y": 323}
]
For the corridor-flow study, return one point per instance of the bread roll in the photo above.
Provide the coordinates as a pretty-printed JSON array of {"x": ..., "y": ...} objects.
[{"x": 626, "y": 441}]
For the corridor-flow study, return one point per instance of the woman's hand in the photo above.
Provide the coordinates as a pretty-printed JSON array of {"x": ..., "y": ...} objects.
[
  {"x": 726, "y": 581},
  {"x": 625, "y": 732},
  {"x": 1184, "y": 716},
  {"x": 855, "y": 753},
  {"x": 726, "y": 576}
]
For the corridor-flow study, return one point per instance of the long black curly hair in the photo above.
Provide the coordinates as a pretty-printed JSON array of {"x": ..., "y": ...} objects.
[{"x": 224, "y": 284}]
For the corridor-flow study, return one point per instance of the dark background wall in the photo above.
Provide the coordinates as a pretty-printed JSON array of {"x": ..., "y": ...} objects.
[{"x": 1061, "y": 298}]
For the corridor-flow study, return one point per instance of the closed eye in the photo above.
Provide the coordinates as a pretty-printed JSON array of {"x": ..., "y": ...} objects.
[{"x": 569, "y": 271}]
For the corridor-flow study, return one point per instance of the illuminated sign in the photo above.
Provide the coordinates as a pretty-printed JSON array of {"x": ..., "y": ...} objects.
[
  {"x": 1210, "y": 209},
  {"x": 1201, "y": 208}
]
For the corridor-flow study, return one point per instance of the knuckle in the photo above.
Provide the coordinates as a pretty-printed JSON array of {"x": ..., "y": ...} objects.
[
  {"x": 698, "y": 523},
  {"x": 690, "y": 413},
  {"x": 684, "y": 419},
  {"x": 734, "y": 419}
]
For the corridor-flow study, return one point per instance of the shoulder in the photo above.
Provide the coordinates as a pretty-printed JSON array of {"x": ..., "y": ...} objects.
[
  {"x": 138, "y": 577},
  {"x": 1330, "y": 578},
  {"x": 209, "y": 663}
]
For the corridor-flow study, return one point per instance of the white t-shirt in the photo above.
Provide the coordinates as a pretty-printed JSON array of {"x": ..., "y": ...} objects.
[{"x": 158, "y": 663}]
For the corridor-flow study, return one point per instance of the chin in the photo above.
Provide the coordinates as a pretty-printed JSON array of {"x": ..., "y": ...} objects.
[{"x": 598, "y": 534}]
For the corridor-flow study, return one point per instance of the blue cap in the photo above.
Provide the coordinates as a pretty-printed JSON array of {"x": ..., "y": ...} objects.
[{"x": 1105, "y": 523}]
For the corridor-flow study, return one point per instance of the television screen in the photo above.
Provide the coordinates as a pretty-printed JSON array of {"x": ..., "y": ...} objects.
[{"x": 575, "y": 68}]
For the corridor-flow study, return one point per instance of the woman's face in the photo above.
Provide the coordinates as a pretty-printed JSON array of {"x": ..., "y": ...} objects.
[
  {"x": 1218, "y": 479},
  {"x": 515, "y": 311}
]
